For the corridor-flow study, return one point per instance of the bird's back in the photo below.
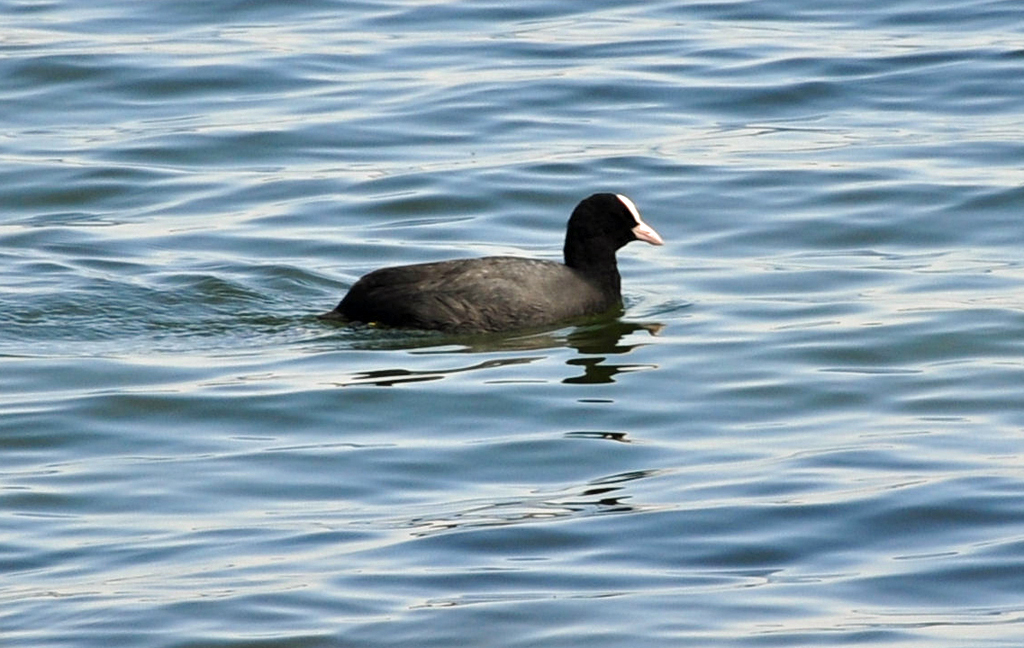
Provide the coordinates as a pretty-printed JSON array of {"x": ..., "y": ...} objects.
[{"x": 487, "y": 294}]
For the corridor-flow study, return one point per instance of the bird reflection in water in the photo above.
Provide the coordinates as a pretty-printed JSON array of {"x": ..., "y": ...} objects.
[{"x": 595, "y": 343}]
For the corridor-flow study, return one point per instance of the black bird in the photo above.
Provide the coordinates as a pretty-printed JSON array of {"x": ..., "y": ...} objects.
[{"x": 502, "y": 293}]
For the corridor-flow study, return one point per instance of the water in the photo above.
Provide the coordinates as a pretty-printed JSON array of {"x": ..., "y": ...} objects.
[{"x": 806, "y": 429}]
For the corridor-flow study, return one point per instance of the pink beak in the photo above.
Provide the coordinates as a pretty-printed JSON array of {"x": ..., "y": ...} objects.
[{"x": 644, "y": 232}]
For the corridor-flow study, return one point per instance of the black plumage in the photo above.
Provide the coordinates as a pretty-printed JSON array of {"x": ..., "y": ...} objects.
[{"x": 503, "y": 293}]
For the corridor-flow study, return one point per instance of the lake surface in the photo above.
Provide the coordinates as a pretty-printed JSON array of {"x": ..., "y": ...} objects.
[{"x": 806, "y": 429}]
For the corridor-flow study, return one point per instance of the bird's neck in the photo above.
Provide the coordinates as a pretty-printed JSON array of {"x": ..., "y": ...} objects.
[{"x": 596, "y": 262}]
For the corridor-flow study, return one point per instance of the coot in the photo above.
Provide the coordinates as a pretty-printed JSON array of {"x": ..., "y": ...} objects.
[{"x": 502, "y": 293}]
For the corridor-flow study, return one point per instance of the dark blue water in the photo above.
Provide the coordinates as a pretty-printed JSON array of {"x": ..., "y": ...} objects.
[{"x": 805, "y": 430}]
